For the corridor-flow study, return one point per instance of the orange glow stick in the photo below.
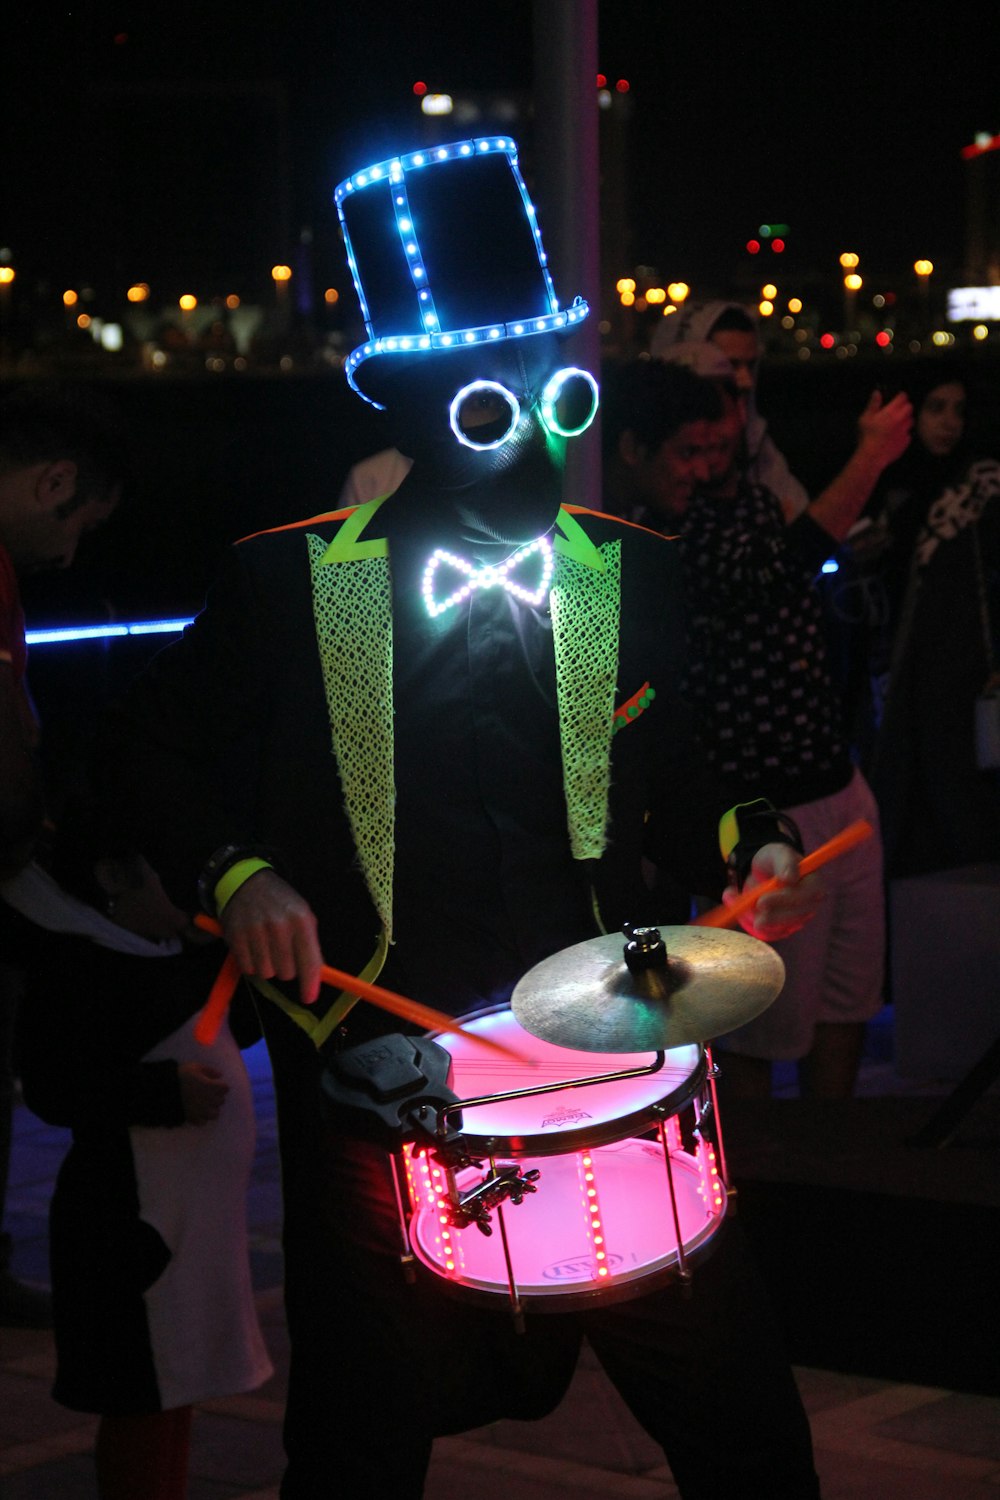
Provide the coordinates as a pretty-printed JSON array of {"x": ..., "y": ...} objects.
[
  {"x": 848, "y": 838},
  {"x": 398, "y": 1005}
]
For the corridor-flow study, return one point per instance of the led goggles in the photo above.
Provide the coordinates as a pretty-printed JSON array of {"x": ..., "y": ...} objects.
[{"x": 484, "y": 414}]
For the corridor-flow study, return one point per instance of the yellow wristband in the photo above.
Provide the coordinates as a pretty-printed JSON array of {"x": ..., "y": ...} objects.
[
  {"x": 237, "y": 875},
  {"x": 729, "y": 830}
]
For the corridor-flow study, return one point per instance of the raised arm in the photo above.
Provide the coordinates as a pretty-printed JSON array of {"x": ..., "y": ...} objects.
[{"x": 883, "y": 435}]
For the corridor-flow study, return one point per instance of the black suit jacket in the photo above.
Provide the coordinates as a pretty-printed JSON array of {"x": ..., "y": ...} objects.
[{"x": 226, "y": 739}]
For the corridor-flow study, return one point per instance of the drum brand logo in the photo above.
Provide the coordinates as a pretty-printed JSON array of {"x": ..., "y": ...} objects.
[
  {"x": 579, "y": 1268},
  {"x": 565, "y": 1116}
]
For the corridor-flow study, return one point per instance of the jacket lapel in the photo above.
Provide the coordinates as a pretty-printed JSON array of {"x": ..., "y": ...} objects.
[{"x": 352, "y": 606}]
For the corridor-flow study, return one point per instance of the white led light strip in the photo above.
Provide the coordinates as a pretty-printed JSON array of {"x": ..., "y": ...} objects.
[{"x": 487, "y": 577}]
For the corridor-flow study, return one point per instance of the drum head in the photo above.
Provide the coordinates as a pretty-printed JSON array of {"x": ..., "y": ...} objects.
[{"x": 564, "y": 1120}]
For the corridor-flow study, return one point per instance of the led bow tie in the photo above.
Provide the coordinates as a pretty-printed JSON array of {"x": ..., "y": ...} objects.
[{"x": 491, "y": 575}]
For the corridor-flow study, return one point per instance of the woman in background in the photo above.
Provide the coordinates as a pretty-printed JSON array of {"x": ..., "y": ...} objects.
[
  {"x": 931, "y": 559},
  {"x": 152, "y": 1302}
]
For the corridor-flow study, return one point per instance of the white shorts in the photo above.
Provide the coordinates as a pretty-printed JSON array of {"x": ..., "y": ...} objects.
[{"x": 834, "y": 967}]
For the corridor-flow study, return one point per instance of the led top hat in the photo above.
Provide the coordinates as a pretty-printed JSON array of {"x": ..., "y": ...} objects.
[{"x": 446, "y": 254}]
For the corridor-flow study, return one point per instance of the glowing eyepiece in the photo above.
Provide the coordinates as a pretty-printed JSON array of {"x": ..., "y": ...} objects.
[
  {"x": 569, "y": 402},
  {"x": 484, "y": 414}
]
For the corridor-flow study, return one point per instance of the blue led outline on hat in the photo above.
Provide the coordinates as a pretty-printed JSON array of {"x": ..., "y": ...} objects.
[
  {"x": 466, "y": 337},
  {"x": 393, "y": 170},
  {"x": 529, "y": 209},
  {"x": 411, "y": 247}
]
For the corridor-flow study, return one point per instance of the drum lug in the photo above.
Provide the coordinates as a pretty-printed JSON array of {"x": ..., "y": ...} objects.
[{"x": 506, "y": 1183}]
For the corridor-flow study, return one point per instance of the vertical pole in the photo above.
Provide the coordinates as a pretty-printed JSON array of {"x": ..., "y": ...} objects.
[{"x": 567, "y": 176}]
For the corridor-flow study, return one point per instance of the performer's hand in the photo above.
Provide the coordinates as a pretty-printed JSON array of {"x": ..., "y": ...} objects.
[
  {"x": 271, "y": 932},
  {"x": 784, "y": 911},
  {"x": 203, "y": 1092}
]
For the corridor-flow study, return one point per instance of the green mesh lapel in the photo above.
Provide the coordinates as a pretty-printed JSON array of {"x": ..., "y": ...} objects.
[
  {"x": 353, "y": 613},
  {"x": 586, "y": 606}
]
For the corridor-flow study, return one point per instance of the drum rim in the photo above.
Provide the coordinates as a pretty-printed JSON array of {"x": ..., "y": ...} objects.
[
  {"x": 627, "y": 1288},
  {"x": 565, "y": 1142}
]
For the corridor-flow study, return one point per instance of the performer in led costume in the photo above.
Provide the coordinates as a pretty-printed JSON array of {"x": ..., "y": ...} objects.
[{"x": 421, "y": 739}]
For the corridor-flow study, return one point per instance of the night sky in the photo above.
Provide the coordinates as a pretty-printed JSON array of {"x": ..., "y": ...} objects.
[{"x": 845, "y": 122}]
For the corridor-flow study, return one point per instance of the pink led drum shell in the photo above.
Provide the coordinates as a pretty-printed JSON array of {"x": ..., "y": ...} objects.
[{"x": 602, "y": 1223}]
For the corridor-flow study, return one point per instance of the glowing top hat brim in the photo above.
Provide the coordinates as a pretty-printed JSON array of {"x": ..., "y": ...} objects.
[{"x": 446, "y": 254}]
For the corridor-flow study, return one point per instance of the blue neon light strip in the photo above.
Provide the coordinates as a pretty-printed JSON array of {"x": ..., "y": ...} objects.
[
  {"x": 491, "y": 333},
  {"x": 411, "y": 246},
  {"x": 529, "y": 209},
  {"x": 392, "y": 169},
  {"x": 59, "y": 634}
]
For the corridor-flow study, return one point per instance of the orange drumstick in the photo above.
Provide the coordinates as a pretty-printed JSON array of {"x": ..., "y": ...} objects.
[
  {"x": 399, "y": 1005},
  {"x": 206, "y": 1028},
  {"x": 724, "y": 916},
  {"x": 412, "y": 1010}
]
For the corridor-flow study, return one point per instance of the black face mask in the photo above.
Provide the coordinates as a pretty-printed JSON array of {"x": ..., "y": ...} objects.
[{"x": 488, "y": 444}]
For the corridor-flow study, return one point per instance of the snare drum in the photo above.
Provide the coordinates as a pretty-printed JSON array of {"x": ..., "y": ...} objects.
[{"x": 605, "y": 1212}]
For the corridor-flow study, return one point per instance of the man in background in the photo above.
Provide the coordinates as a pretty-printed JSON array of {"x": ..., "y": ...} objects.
[
  {"x": 766, "y": 711},
  {"x": 61, "y": 472}
]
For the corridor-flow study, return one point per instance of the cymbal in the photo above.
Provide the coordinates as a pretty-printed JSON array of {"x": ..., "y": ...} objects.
[{"x": 588, "y": 999}]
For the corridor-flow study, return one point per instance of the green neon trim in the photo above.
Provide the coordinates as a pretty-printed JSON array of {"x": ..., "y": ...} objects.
[
  {"x": 585, "y": 605},
  {"x": 570, "y": 540},
  {"x": 352, "y": 610},
  {"x": 345, "y": 546},
  {"x": 237, "y": 875}
]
